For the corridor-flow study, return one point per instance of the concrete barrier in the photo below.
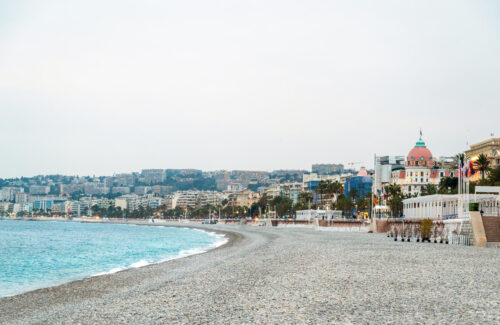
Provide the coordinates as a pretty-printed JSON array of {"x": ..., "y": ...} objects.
[{"x": 478, "y": 228}]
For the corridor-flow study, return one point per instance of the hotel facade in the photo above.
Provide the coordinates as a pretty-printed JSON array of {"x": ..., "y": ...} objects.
[{"x": 421, "y": 169}]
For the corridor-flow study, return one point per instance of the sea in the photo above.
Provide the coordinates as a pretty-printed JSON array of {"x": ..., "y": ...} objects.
[{"x": 39, "y": 254}]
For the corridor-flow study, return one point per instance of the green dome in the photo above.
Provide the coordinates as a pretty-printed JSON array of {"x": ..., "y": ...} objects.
[{"x": 420, "y": 143}]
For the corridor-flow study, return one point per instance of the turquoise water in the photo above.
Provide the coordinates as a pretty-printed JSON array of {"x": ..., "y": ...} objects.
[{"x": 37, "y": 254}]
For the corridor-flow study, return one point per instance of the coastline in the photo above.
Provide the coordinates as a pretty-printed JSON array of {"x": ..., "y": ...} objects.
[
  {"x": 282, "y": 275},
  {"x": 227, "y": 238}
]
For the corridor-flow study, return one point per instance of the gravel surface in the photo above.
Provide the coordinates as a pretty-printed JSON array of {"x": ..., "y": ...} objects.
[{"x": 284, "y": 275}]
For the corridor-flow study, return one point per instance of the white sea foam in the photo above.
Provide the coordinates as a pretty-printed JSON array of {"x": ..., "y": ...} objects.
[
  {"x": 220, "y": 240},
  {"x": 116, "y": 269},
  {"x": 139, "y": 264}
]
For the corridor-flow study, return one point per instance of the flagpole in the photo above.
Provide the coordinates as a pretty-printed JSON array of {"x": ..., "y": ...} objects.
[
  {"x": 375, "y": 184},
  {"x": 460, "y": 170}
]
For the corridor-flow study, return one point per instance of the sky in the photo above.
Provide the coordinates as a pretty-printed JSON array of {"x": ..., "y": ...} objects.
[{"x": 102, "y": 87}]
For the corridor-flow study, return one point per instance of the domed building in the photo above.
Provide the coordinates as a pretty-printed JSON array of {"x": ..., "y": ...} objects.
[
  {"x": 420, "y": 156},
  {"x": 421, "y": 168}
]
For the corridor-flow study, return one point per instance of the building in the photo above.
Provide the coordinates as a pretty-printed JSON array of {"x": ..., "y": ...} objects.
[
  {"x": 360, "y": 184},
  {"x": 125, "y": 179},
  {"x": 311, "y": 181},
  {"x": 310, "y": 215},
  {"x": 4, "y": 207},
  {"x": 21, "y": 198},
  {"x": 447, "y": 206},
  {"x": 291, "y": 190},
  {"x": 62, "y": 207},
  {"x": 120, "y": 190},
  {"x": 39, "y": 190},
  {"x": 9, "y": 193},
  {"x": 235, "y": 187},
  {"x": 161, "y": 189},
  {"x": 95, "y": 189},
  {"x": 128, "y": 201},
  {"x": 490, "y": 147},
  {"x": 246, "y": 198},
  {"x": 154, "y": 202},
  {"x": 168, "y": 201},
  {"x": 153, "y": 176},
  {"x": 141, "y": 190},
  {"x": 43, "y": 204},
  {"x": 384, "y": 167},
  {"x": 421, "y": 169},
  {"x": 121, "y": 202},
  {"x": 327, "y": 169}
]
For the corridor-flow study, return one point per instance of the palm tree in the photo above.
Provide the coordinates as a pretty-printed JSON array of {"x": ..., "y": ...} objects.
[
  {"x": 328, "y": 191},
  {"x": 395, "y": 199},
  {"x": 482, "y": 164},
  {"x": 460, "y": 159},
  {"x": 494, "y": 176}
]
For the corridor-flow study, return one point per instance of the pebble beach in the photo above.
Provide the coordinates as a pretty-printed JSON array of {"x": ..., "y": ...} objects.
[{"x": 283, "y": 276}]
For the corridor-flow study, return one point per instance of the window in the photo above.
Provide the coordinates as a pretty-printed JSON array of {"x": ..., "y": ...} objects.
[
  {"x": 422, "y": 158},
  {"x": 451, "y": 174},
  {"x": 412, "y": 158},
  {"x": 421, "y": 173},
  {"x": 422, "y": 180}
]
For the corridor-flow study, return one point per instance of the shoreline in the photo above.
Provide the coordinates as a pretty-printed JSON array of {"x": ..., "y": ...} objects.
[
  {"x": 227, "y": 235},
  {"x": 281, "y": 276}
]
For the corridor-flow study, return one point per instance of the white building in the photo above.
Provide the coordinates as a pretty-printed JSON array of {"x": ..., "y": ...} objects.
[
  {"x": 421, "y": 169},
  {"x": 447, "y": 206},
  {"x": 39, "y": 189},
  {"x": 153, "y": 176},
  {"x": 310, "y": 215},
  {"x": 384, "y": 166}
]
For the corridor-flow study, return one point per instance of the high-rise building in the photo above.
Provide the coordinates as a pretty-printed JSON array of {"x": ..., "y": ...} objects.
[
  {"x": 21, "y": 198},
  {"x": 153, "y": 176},
  {"x": 384, "y": 166},
  {"x": 327, "y": 169},
  {"x": 125, "y": 179},
  {"x": 39, "y": 189}
]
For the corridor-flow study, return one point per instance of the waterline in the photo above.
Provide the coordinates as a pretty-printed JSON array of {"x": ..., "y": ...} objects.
[{"x": 35, "y": 255}]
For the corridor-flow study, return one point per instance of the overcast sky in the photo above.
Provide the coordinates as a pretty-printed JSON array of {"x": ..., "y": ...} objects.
[{"x": 100, "y": 87}]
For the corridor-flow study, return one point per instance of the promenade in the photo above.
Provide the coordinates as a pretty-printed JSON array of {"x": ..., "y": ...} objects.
[{"x": 284, "y": 275}]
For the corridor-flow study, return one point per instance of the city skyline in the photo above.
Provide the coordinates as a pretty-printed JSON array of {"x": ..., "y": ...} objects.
[{"x": 101, "y": 88}]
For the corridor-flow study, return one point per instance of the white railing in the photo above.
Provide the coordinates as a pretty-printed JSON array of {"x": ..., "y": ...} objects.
[{"x": 459, "y": 240}]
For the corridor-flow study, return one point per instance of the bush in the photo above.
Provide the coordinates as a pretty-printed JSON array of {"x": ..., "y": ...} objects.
[
  {"x": 425, "y": 229},
  {"x": 473, "y": 206}
]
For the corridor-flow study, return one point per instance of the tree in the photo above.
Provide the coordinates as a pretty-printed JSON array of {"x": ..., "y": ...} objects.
[
  {"x": 304, "y": 201},
  {"x": 482, "y": 164},
  {"x": 282, "y": 205},
  {"x": 395, "y": 199},
  {"x": 428, "y": 189},
  {"x": 344, "y": 204},
  {"x": 448, "y": 185},
  {"x": 494, "y": 177},
  {"x": 459, "y": 158},
  {"x": 364, "y": 203}
]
